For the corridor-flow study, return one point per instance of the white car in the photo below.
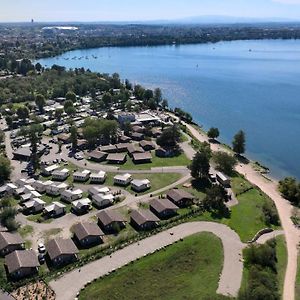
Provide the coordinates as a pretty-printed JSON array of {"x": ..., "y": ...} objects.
[
  {"x": 78, "y": 156},
  {"x": 41, "y": 248}
]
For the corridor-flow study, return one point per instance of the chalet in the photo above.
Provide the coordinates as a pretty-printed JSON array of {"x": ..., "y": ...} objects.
[
  {"x": 40, "y": 186},
  {"x": 30, "y": 196},
  {"x": 156, "y": 132},
  {"x": 163, "y": 208},
  {"x": 147, "y": 145},
  {"x": 82, "y": 176},
  {"x": 21, "y": 263},
  {"x": 99, "y": 177},
  {"x": 133, "y": 149},
  {"x": 103, "y": 200},
  {"x": 64, "y": 138},
  {"x": 122, "y": 147},
  {"x": 223, "y": 179},
  {"x": 97, "y": 190},
  {"x": 71, "y": 195},
  {"x": 10, "y": 242},
  {"x": 81, "y": 206},
  {"x": 55, "y": 209},
  {"x": 142, "y": 158},
  {"x": 136, "y": 136},
  {"x": 180, "y": 198},
  {"x": 97, "y": 156},
  {"x": 34, "y": 206},
  {"x": 143, "y": 219},
  {"x": 122, "y": 179},
  {"x": 88, "y": 234},
  {"x": 110, "y": 220},
  {"x": 56, "y": 189},
  {"x": 124, "y": 139},
  {"x": 116, "y": 158},
  {"x": 137, "y": 128},
  {"x": 140, "y": 185},
  {"x": 60, "y": 175},
  {"x": 109, "y": 149},
  {"x": 61, "y": 251},
  {"x": 47, "y": 171}
]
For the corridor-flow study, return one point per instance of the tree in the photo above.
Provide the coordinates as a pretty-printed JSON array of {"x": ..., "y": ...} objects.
[
  {"x": 71, "y": 96},
  {"x": 40, "y": 102},
  {"x": 69, "y": 107},
  {"x": 127, "y": 127},
  {"x": 148, "y": 94},
  {"x": 170, "y": 137},
  {"x": 215, "y": 200},
  {"x": 74, "y": 139},
  {"x": 9, "y": 121},
  {"x": 200, "y": 165},
  {"x": 58, "y": 114},
  {"x": 224, "y": 162},
  {"x": 164, "y": 104},
  {"x": 157, "y": 96},
  {"x": 5, "y": 169},
  {"x": 107, "y": 99},
  {"x": 290, "y": 189},
  {"x": 2, "y": 136},
  {"x": 38, "y": 67},
  {"x": 23, "y": 112},
  {"x": 213, "y": 133},
  {"x": 238, "y": 143}
]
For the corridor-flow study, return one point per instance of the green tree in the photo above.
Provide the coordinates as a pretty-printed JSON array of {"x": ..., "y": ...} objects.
[
  {"x": 238, "y": 143},
  {"x": 23, "y": 112},
  {"x": 40, "y": 102},
  {"x": 9, "y": 121},
  {"x": 58, "y": 114},
  {"x": 69, "y": 108},
  {"x": 2, "y": 136},
  {"x": 157, "y": 96},
  {"x": 71, "y": 96},
  {"x": 164, "y": 103},
  {"x": 224, "y": 162},
  {"x": 200, "y": 166},
  {"x": 213, "y": 133},
  {"x": 74, "y": 138},
  {"x": 290, "y": 189},
  {"x": 170, "y": 137},
  {"x": 5, "y": 169},
  {"x": 215, "y": 200}
]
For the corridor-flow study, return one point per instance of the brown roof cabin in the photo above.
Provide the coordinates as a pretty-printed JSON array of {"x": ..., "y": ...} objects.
[
  {"x": 138, "y": 129},
  {"x": 142, "y": 158},
  {"x": 124, "y": 139},
  {"x": 161, "y": 152},
  {"x": 21, "y": 263},
  {"x": 136, "y": 136},
  {"x": 82, "y": 144},
  {"x": 97, "y": 156},
  {"x": 64, "y": 138},
  {"x": 109, "y": 149},
  {"x": 61, "y": 251},
  {"x": 10, "y": 242},
  {"x": 163, "y": 208},
  {"x": 116, "y": 158},
  {"x": 110, "y": 220},
  {"x": 133, "y": 149},
  {"x": 87, "y": 234},
  {"x": 156, "y": 132},
  {"x": 147, "y": 145},
  {"x": 123, "y": 147},
  {"x": 180, "y": 197},
  {"x": 143, "y": 219}
]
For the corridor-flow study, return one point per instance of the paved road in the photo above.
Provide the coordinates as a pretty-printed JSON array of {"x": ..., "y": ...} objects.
[
  {"x": 268, "y": 236},
  {"x": 230, "y": 279},
  {"x": 284, "y": 209}
]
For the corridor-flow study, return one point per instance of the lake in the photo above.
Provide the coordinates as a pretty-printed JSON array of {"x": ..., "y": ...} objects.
[{"x": 249, "y": 85}]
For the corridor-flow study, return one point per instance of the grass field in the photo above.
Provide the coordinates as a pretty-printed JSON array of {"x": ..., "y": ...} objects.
[
  {"x": 297, "y": 288},
  {"x": 186, "y": 270},
  {"x": 281, "y": 253}
]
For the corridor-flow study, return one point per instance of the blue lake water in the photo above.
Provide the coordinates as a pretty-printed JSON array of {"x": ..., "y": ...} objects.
[{"x": 249, "y": 85}]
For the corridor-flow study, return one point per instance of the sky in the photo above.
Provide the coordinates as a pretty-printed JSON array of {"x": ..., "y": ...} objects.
[{"x": 141, "y": 10}]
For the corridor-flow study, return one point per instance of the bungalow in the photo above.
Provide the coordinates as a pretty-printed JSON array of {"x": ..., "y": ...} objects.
[
  {"x": 60, "y": 175},
  {"x": 140, "y": 185},
  {"x": 97, "y": 190},
  {"x": 40, "y": 186},
  {"x": 133, "y": 149},
  {"x": 55, "y": 209},
  {"x": 56, "y": 189},
  {"x": 30, "y": 196},
  {"x": 109, "y": 149},
  {"x": 47, "y": 171},
  {"x": 10, "y": 242},
  {"x": 223, "y": 179},
  {"x": 21, "y": 263},
  {"x": 33, "y": 206},
  {"x": 88, "y": 234},
  {"x": 116, "y": 158},
  {"x": 137, "y": 128},
  {"x": 82, "y": 176},
  {"x": 110, "y": 220},
  {"x": 143, "y": 219},
  {"x": 64, "y": 138},
  {"x": 22, "y": 154},
  {"x": 71, "y": 195},
  {"x": 163, "y": 208},
  {"x": 21, "y": 182},
  {"x": 61, "y": 251},
  {"x": 97, "y": 156},
  {"x": 124, "y": 139},
  {"x": 122, "y": 179},
  {"x": 136, "y": 136},
  {"x": 161, "y": 152},
  {"x": 180, "y": 198},
  {"x": 81, "y": 206},
  {"x": 142, "y": 158},
  {"x": 103, "y": 200},
  {"x": 147, "y": 145},
  {"x": 8, "y": 189},
  {"x": 98, "y": 177},
  {"x": 122, "y": 147}
]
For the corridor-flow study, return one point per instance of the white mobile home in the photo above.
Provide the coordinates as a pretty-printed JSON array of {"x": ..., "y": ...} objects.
[
  {"x": 100, "y": 200},
  {"x": 122, "y": 179},
  {"x": 98, "y": 177}
]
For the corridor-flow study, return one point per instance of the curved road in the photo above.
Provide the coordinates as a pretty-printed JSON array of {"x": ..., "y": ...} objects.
[
  {"x": 284, "y": 209},
  {"x": 230, "y": 279}
]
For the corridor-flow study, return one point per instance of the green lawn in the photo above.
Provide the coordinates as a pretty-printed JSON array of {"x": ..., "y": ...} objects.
[
  {"x": 186, "y": 270},
  {"x": 25, "y": 231},
  {"x": 297, "y": 288},
  {"x": 281, "y": 253}
]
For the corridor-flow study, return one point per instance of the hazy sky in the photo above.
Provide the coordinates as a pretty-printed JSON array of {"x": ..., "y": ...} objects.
[{"x": 123, "y": 10}]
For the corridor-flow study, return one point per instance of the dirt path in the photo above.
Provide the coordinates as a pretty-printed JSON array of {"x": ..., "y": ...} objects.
[
  {"x": 284, "y": 208},
  {"x": 230, "y": 279}
]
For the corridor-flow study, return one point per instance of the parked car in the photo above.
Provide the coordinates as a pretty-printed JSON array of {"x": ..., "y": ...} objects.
[
  {"x": 41, "y": 258},
  {"x": 41, "y": 248}
]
